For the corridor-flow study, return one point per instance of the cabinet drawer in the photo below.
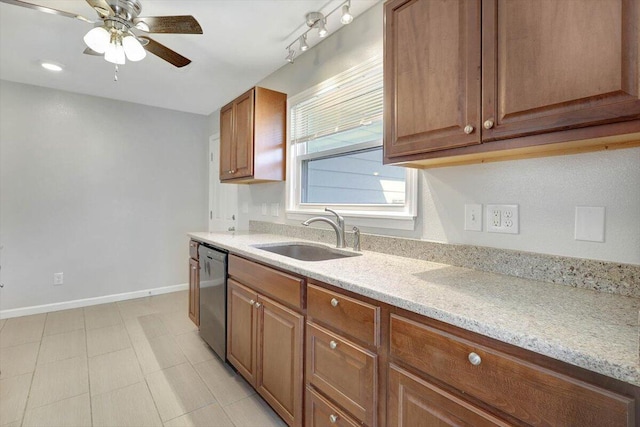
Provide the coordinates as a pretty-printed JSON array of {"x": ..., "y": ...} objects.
[
  {"x": 321, "y": 413},
  {"x": 193, "y": 249},
  {"x": 348, "y": 315},
  {"x": 343, "y": 371},
  {"x": 533, "y": 394},
  {"x": 276, "y": 284},
  {"x": 415, "y": 402}
]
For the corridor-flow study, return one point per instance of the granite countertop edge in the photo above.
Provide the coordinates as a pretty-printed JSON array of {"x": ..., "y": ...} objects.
[{"x": 485, "y": 316}]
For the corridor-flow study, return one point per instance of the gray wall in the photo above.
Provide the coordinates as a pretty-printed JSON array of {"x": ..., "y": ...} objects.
[
  {"x": 547, "y": 189},
  {"x": 101, "y": 190}
]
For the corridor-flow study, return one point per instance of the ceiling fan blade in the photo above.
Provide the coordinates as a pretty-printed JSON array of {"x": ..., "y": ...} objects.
[
  {"x": 89, "y": 51},
  {"x": 102, "y": 7},
  {"x": 47, "y": 10},
  {"x": 185, "y": 24},
  {"x": 163, "y": 52}
]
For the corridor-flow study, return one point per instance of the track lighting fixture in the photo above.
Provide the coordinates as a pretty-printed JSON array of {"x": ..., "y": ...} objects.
[
  {"x": 318, "y": 21},
  {"x": 347, "y": 17},
  {"x": 303, "y": 43},
  {"x": 322, "y": 28},
  {"x": 291, "y": 55}
]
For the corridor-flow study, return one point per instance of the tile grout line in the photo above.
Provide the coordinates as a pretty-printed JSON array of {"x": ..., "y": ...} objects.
[
  {"x": 144, "y": 377},
  {"x": 33, "y": 374},
  {"x": 86, "y": 349}
]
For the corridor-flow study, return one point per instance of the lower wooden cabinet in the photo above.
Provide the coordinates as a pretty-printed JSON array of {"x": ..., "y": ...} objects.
[
  {"x": 512, "y": 386},
  {"x": 343, "y": 371},
  {"x": 265, "y": 344},
  {"x": 194, "y": 291},
  {"x": 322, "y": 413},
  {"x": 414, "y": 402},
  {"x": 369, "y": 364},
  {"x": 279, "y": 373},
  {"x": 242, "y": 329}
]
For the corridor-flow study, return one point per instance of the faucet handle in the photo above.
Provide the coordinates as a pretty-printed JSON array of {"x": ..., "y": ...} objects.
[{"x": 356, "y": 239}]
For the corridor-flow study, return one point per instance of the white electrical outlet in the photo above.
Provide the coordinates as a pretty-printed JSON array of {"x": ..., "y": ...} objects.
[
  {"x": 58, "y": 279},
  {"x": 502, "y": 219},
  {"x": 275, "y": 209},
  {"x": 473, "y": 217}
]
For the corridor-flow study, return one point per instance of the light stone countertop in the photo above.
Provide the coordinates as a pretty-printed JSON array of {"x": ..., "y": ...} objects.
[{"x": 596, "y": 331}]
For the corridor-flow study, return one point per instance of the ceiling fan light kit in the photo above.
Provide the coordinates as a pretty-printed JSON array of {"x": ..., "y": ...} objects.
[
  {"x": 114, "y": 38},
  {"x": 318, "y": 21}
]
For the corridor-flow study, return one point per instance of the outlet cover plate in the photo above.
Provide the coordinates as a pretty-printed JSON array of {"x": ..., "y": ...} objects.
[
  {"x": 503, "y": 219},
  {"x": 58, "y": 279},
  {"x": 590, "y": 222},
  {"x": 473, "y": 217}
]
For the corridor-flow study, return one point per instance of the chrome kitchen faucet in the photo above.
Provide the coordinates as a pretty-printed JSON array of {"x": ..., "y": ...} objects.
[{"x": 337, "y": 225}]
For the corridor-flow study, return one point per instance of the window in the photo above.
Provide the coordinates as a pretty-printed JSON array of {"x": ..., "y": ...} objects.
[{"x": 336, "y": 134}]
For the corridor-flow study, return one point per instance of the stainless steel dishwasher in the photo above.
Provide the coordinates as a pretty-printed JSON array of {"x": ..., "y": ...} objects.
[{"x": 213, "y": 298}]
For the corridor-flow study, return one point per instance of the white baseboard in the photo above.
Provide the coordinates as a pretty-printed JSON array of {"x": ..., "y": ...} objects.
[{"x": 46, "y": 308}]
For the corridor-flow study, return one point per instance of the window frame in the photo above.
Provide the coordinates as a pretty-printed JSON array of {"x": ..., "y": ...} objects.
[{"x": 394, "y": 216}]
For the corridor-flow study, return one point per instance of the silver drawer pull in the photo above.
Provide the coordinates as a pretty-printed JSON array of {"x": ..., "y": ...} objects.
[
  {"x": 474, "y": 359},
  {"x": 258, "y": 305},
  {"x": 334, "y": 302},
  {"x": 251, "y": 302},
  {"x": 333, "y": 344},
  {"x": 333, "y": 418}
]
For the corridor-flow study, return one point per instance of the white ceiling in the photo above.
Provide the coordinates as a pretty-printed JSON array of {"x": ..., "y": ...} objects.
[{"x": 243, "y": 42}]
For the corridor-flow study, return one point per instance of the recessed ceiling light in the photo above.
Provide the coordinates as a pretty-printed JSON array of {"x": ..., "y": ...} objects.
[{"x": 51, "y": 66}]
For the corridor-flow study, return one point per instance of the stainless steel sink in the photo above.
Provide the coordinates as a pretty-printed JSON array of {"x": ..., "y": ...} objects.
[{"x": 306, "y": 251}]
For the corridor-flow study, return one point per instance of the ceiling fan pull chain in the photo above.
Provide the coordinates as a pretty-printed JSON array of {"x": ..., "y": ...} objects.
[{"x": 115, "y": 74}]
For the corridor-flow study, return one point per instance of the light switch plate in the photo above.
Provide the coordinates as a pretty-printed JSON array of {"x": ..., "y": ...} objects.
[
  {"x": 590, "y": 223},
  {"x": 473, "y": 217},
  {"x": 264, "y": 209}
]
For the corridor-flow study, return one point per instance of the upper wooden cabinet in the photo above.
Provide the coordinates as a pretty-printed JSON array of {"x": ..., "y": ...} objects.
[
  {"x": 431, "y": 75},
  {"x": 469, "y": 80},
  {"x": 253, "y": 137}
]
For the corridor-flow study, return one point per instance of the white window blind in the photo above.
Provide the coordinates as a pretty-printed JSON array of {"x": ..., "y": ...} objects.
[{"x": 350, "y": 102}]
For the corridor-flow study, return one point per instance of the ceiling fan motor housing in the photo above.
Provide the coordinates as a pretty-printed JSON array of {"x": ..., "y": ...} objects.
[{"x": 126, "y": 9}]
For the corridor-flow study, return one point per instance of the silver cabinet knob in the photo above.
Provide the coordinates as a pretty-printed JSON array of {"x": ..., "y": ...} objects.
[
  {"x": 333, "y": 418},
  {"x": 488, "y": 124},
  {"x": 252, "y": 302},
  {"x": 258, "y": 305},
  {"x": 468, "y": 129},
  {"x": 334, "y": 302},
  {"x": 333, "y": 345},
  {"x": 474, "y": 359}
]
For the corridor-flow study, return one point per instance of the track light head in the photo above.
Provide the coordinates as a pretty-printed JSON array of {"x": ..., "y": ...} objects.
[
  {"x": 291, "y": 55},
  {"x": 322, "y": 28},
  {"x": 303, "y": 43},
  {"x": 347, "y": 17}
]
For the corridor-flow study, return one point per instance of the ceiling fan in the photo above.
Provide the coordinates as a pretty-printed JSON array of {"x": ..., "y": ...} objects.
[{"x": 114, "y": 34}]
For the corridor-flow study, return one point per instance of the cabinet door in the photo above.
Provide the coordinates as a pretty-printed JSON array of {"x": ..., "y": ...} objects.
[
  {"x": 226, "y": 142},
  {"x": 343, "y": 371},
  {"x": 414, "y": 402},
  {"x": 194, "y": 291},
  {"x": 241, "y": 329},
  {"x": 431, "y": 75},
  {"x": 243, "y": 126},
  {"x": 550, "y": 65},
  {"x": 280, "y": 342}
]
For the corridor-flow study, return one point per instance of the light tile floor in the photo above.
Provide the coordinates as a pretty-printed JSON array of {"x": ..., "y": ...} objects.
[{"x": 133, "y": 363}]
